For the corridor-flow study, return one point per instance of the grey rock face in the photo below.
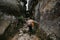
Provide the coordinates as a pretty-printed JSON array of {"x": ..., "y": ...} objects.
[
  {"x": 5, "y": 20},
  {"x": 49, "y": 16}
]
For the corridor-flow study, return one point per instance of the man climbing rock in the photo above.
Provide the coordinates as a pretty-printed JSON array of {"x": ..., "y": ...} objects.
[{"x": 31, "y": 25}]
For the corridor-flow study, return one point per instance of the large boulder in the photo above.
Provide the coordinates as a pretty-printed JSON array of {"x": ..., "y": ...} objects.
[{"x": 13, "y": 7}]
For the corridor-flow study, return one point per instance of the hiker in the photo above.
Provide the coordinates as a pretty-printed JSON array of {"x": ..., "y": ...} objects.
[{"x": 30, "y": 24}]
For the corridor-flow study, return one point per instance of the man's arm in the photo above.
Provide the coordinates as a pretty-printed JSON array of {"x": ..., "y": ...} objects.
[{"x": 36, "y": 22}]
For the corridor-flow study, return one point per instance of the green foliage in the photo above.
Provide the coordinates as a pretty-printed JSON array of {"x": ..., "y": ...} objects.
[{"x": 20, "y": 17}]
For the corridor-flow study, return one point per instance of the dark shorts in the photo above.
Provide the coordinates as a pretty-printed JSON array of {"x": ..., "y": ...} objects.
[{"x": 30, "y": 27}]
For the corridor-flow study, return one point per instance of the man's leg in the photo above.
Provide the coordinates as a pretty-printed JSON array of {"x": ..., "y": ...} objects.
[{"x": 30, "y": 30}]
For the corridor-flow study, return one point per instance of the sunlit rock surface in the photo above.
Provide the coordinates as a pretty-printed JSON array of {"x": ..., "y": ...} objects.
[{"x": 24, "y": 36}]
